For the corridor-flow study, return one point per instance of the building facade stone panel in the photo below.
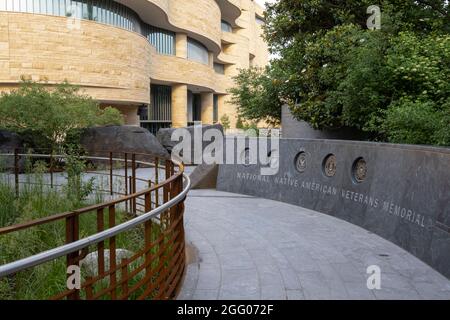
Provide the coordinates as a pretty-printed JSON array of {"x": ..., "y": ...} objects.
[{"x": 114, "y": 62}]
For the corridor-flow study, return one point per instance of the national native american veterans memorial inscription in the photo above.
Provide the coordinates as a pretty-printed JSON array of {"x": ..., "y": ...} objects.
[{"x": 399, "y": 192}]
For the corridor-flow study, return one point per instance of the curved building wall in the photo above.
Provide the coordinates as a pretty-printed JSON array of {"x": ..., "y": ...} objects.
[
  {"x": 201, "y": 17},
  {"x": 107, "y": 12},
  {"x": 110, "y": 63},
  {"x": 115, "y": 49}
]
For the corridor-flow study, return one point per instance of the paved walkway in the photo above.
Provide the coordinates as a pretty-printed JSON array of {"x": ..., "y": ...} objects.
[{"x": 250, "y": 248}]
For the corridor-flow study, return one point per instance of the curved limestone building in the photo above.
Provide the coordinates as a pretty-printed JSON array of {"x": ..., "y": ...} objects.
[{"x": 160, "y": 62}]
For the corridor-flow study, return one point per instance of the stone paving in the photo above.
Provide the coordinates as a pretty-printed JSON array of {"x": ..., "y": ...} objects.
[{"x": 250, "y": 248}]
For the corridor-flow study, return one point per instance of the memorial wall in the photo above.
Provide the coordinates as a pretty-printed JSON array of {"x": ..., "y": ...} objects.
[{"x": 399, "y": 192}]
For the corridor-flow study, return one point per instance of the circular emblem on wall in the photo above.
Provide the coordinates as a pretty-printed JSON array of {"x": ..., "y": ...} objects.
[
  {"x": 359, "y": 170},
  {"x": 300, "y": 162},
  {"x": 329, "y": 165}
]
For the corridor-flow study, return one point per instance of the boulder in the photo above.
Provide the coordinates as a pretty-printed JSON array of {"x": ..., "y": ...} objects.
[
  {"x": 8, "y": 142},
  {"x": 119, "y": 139},
  {"x": 164, "y": 136},
  {"x": 90, "y": 263}
]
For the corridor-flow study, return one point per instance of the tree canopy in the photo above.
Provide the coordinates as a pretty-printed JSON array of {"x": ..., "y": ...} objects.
[{"x": 334, "y": 72}]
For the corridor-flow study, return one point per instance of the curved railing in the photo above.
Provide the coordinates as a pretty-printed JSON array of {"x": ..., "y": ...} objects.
[{"x": 155, "y": 267}]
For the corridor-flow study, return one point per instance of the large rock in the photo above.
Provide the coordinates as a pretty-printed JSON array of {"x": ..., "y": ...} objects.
[
  {"x": 164, "y": 136},
  {"x": 90, "y": 263},
  {"x": 120, "y": 139},
  {"x": 8, "y": 142}
]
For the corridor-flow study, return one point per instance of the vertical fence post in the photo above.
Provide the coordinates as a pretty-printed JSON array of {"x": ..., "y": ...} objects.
[
  {"x": 180, "y": 207},
  {"x": 130, "y": 187},
  {"x": 72, "y": 235},
  {"x": 167, "y": 167},
  {"x": 89, "y": 289},
  {"x": 179, "y": 214},
  {"x": 166, "y": 186},
  {"x": 157, "y": 181},
  {"x": 166, "y": 189},
  {"x": 112, "y": 254},
  {"x": 126, "y": 180},
  {"x": 124, "y": 278},
  {"x": 16, "y": 171},
  {"x": 101, "y": 245},
  {"x": 148, "y": 234},
  {"x": 172, "y": 193},
  {"x": 156, "y": 170},
  {"x": 111, "y": 173},
  {"x": 133, "y": 173},
  {"x": 51, "y": 170},
  {"x": 148, "y": 202}
]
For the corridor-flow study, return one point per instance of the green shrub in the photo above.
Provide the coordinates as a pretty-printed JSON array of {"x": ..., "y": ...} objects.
[
  {"x": 412, "y": 122},
  {"x": 46, "y": 115}
]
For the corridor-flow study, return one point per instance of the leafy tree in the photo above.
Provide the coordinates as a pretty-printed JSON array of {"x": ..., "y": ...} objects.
[
  {"x": 49, "y": 115},
  {"x": 333, "y": 72},
  {"x": 290, "y": 21},
  {"x": 225, "y": 121},
  {"x": 256, "y": 96}
]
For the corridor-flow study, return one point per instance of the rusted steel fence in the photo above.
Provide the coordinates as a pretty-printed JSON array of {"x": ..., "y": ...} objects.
[{"x": 154, "y": 267}]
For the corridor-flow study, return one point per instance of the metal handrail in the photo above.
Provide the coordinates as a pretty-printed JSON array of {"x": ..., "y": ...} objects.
[
  {"x": 63, "y": 215},
  {"x": 64, "y": 250},
  {"x": 38, "y": 155}
]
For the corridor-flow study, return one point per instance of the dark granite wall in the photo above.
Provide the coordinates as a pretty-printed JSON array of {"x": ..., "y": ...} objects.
[
  {"x": 292, "y": 128},
  {"x": 404, "y": 196}
]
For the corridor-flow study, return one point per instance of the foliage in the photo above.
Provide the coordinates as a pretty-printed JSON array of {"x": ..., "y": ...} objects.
[
  {"x": 256, "y": 96},
  {"x": 48, "y": 115},
  {"x": 239, "y": 123},
  {"x": 333, "y": 72},
  {"x": 251, "y": 129},
  {"x": 37, "y": 200},
  {"x": 225, "y": 121},
  {"x": 292, "y": 22},
  {"x": 411, "y": 122},
  {"x": 76, "y": 188},
  {"x": 8, "y": 209}
]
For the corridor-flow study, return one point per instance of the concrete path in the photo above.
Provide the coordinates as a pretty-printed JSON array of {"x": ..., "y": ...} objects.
[{"x": 250, "y": 248}]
